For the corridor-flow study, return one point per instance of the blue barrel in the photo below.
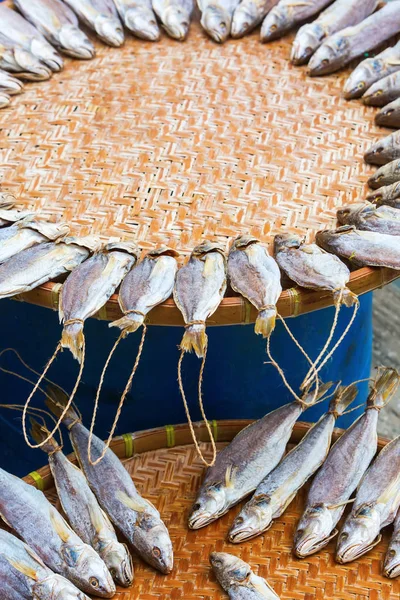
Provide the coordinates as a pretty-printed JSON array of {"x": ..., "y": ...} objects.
[{"x": 237, "y": 382}]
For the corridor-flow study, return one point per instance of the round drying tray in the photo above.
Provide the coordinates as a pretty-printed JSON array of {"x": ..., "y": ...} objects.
[
  {"x": 171, "y": 143},
  {"x": 167, "y": 471}
]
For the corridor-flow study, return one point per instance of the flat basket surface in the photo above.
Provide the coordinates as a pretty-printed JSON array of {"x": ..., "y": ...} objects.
[
  {"x": 170, "y": 477},
  {"x": 171, "y": 143}
]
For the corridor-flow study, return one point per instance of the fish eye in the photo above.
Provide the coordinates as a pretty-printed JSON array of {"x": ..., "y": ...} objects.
[
  {"x": 364, "y": 511},
  {"x": 241, "y": 574},
  {"x": 273, "y": 28},
  {"x": 156, "y": 552},
  {"x": 113, "y": 572},
  {"x": 344, "y": 536},
  {"x": 361, "y": 85},
  {"x": 379, "y": 178},
  {"x": 94, "y": 582},
  {"x": 239, "y": 520},
  {"x": 378, "y": 93},
  {"x": 378, "y": 150},
  {"x": 196, "y": 506},
  {"x": 389, "y": 112},
  {"x": 325, "y": 62},
  {"x": 392, "y": 553},
  {"x": 218, "y": 563}
]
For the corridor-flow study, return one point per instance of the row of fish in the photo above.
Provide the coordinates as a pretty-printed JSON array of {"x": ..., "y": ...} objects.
[
  {"x": 86, "y": 552},
  {"x": 255, "y": 461}
]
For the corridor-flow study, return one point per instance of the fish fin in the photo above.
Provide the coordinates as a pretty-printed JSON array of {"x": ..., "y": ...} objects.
[
  {"x": 265, "y": 323},
  {"x": 342, "y": 400},
  {"x": 346, "y": 296},
  {"x": 22, "y": 568},
  {"x": 35, "y": 557},
  {"x": 391, "y": 492},
  {"x": 195, "y": 339},
  {"x": 308, "y": 396},
  {"x": 39, "y": 433},
  {"x": 230, "y": 476},
  {"x": 72, "y": 337},
  {"x": 136, "y": 505},
  {"x": 259, "y": 586},
  {"x": 56, "y": 402},
  {"x": 60, "y": 526},
  {"x": 129, "y": 323},
  {"x": 383, "y": 388}
]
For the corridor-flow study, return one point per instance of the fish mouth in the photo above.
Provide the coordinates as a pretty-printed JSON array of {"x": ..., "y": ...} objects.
[
  {"x": 355, "y": 551},
  {"x": 355, "y": 92},
  {"x": 310, "y": 544},
  {"x": 392, "y": 570},
  {"x": 242, "y": 535},
  {"x": 83, "y": 52},
  {"x": 54, "y": 64},
  {"x": 40, "y": 74},
  {"x": 143, "y": 26},
  {"x": 199, "y": 521},
  {"x": 110, "y": 32},
  {"x": 302, "y": 57}
]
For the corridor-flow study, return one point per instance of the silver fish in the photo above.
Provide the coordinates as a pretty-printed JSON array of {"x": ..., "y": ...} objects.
[
  {"x": 274, "y": 494},
  {"x": 199, "y": 289},
  {"x": 24, "y": 576},
  {"x": 254, "y": 274},
  {"x": 287, "y": 14},
  {"x": 384, "y": 150},
  {"x": 340, "y": 49},
  {"x": 216, "y": 17},
  {"x": 175, "y": 16},
  {"x": 147, "y": 284},
  {"x": 24, "y": 34},
  {"x": 59, "y": 25},
  {"x": 238, "y": 580},
  {"x": 342, "y": 471},
  {"x": 20, "y": 61},
  {"x": 387, "y": 195},
  {"x": 33, "y": 267},
  {"x": 10, "y": 85},
  {"x": 371, "y": 70},
  {"x": 362, "y": 248},
  {"x": 5, "y": 99},
  {"x": 383, "y": 91},
  {"x": 102, "y": 17},
  {"x": 391, "y": 566},
  {"x": 242, "y": 465},
  {"x": 139, "y": 18},
  {"x": 340, "y": 14},
  {"x": 83, "y": 511},
  {"x": 27, "y": 511},
  {"x": 27, "y": 233},
  {"x": 311, "y": 267},
  {"x": 376, "y": 504},
  {"x": 249, "y": 14},
  {"x": 385, "y": 175},
  {"x": 9, "y": 215},
  {"x": 389, "y": 115},
  {"x": 368, "y": 217},
  {"x": 135, "y": 517},
  {"x": 88, "y": 288}
]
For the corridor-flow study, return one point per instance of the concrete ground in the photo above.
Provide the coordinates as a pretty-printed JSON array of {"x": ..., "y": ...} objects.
[{"x": 386, "y": 349}]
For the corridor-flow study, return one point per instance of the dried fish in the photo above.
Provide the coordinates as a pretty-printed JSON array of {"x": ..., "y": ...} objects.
[
  {"x": 175, "y": 16},
  {"x": 23, "y": 63},
  {"x": 368, "y": 217},
  {"x": 88, "y": 288},
  {"x": 27, "y": 233},
  {"x": 243, "y": 464},
  {"x": 238, "y": 580},
  {"x": 7, "y": 201},
  {"x": 40, "y": 525},
  {"x": 375, "y": 506},
  {"x": 59, "y": 25},
  {"x": 83, "y": 511},
  {"x": 391, "y": 566},
  {"x": 102, "y": 17},
  {"x": 387, "y": 195},
  {"x": 389, "y": 116},
  {"x": 385, "y": 150},
  {"x": 147, "y": 284},
  {"x": 216, "y": 17},
  {"x": 351, "y": 42},
  {"x": 249, "y": 14},
  {"x": 383, "y": 91},
  {"x": 24, "y": 576},
  {"x": 33, "y": 267},
  {"x": 385, "y": 175},
  {"x": 5, "y": 99},
  {"x": 274, "y": 494},
  {"x": 134, "y": 516},
  {"x": 362, "y": 248},
  {"x": 254, "y": 274},
  {"x": 342, "y": 471},
  {"x": 340, "y": 14},
  {"x": 7, "y": 215},
  {"x": 371, "y": 70},
  {"x": 10, "y": 85},
  {"x": 311, "y": 267},
  {"x": 199, "y": 289},
  {"x": 139, "y": 18},
  {"x": 287, "y": 14},
  {"x": 23, "y": 34}
]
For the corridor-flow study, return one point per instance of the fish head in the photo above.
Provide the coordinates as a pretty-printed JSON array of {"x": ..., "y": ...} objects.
[
  {"x": 391, "y": 566},
  {"x": 275, "y": 24},
  {"x": 210, "y": 504},
  {"x": 243, "y": 241},
  {"x": 153, "y": 543},
  {"x": 110, "y": 30},
  {"x": 243, "y": 20},
  {"x": 229, "y": 569},
  {"x": 142, "y": 21},
  {"x": 47, "y": 54},
  {"x": 327, "y": 57},
  {"x": 56, "y": 587},
  {"x": 91, "y": 569},
  {"x": 287, "y": 240},
  {"x": 359, "y": 534},
  {"x": 305, "y": 43},
  {"x": 27, "y": 62},
  {"x": 119, "y": 562},
  {"x": 76, "y": 43},
  {"x": 313, "y": 531},
  {"x": 217, "y": 22},
  {"x": 253, "y": 519},
  {"x": 356, "y": 84},
  {"x": 346, "y": 214},
  {"x": 376, "y": 150},
  {"x": 177, "y": 22}
]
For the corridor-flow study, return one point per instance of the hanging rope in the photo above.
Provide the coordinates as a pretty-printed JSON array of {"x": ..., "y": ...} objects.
[{"x": 36, "y": 412}]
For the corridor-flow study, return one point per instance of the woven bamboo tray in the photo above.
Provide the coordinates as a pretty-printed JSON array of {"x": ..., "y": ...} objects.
[
  {"x": 168, "y": 472},
  {"x": 171, "y": 143}
]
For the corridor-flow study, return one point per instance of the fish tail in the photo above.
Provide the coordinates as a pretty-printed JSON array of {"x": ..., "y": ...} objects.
[
  {"x": 308, "y": 397},
  {"x": 56, "y": 402},
  {"x": 383, "y": 388},
  {"x": 346, "y": 296},
  {"x": 72, "y": 338},
  {"x": 342, "y": 399},
  {"x": 129, "y": 323},
  {"x": 195, "y": 339},
  {"x": 265, "y": 323},
  {"x": 40, "y": 433}
]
